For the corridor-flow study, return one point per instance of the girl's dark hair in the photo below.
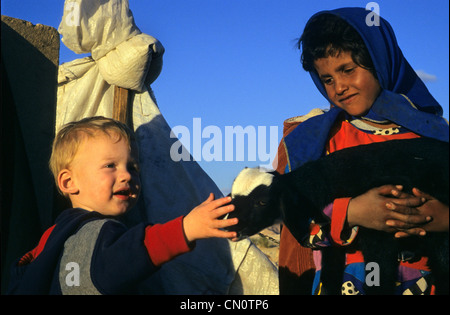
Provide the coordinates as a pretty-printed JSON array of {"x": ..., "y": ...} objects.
[{"x": 329, "y": 35}]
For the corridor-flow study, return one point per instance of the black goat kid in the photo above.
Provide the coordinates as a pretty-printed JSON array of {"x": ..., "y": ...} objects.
[{"x": 299, "y": 196}]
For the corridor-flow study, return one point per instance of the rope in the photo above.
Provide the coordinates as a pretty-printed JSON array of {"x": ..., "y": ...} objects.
[{"x": 269, "y": 238}]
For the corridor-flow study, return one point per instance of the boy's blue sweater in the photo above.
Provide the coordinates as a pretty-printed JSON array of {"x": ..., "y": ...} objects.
[{"x": 116, "y": 249}]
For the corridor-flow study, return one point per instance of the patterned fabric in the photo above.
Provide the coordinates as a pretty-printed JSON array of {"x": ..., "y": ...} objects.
[{"x": 414, "y": 277}]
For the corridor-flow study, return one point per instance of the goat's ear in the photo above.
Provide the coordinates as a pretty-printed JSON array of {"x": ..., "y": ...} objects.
[{"x": 274, "y": 173}]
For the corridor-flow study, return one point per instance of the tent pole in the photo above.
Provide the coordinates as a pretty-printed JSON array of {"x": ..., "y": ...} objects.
[{"x": 122, "y": 105}]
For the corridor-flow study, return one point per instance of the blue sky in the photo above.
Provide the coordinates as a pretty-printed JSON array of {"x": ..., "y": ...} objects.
[{"x": 234, "y": 62}]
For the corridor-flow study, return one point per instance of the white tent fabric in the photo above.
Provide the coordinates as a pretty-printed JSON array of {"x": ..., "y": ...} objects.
[{"x": 123, "y": 56}]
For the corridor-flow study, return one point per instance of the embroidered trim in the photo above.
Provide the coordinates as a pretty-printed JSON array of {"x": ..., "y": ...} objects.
[
  {"x": 387, "y": 132},
  {"x": 287, "y": 155},
  {"x": 375, "y": 121},
  {"x": 411, "y": 103},
  {"x": 361, "y": 125}
]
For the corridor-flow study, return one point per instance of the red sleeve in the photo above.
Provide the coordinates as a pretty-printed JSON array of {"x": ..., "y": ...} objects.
[
  {"x": 165, "y": 241},
  {"x": 32, "y": 255},
  {"x": 338, "y": 219}
]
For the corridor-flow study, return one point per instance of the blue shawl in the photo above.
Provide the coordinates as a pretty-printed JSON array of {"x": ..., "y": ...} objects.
[{"x": 404, "y": 98}]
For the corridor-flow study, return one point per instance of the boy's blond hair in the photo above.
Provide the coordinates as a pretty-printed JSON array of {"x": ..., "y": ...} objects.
[{"x": 69, "y": 138}]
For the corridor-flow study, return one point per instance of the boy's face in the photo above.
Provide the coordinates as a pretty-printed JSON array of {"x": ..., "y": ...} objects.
[
  {"x": 105, "y": 175},
  {"x": 348, "y": 86}
]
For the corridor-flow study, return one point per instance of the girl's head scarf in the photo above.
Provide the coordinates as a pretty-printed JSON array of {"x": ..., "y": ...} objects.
[
  {"x": 393, "y": 71},
  {"x": 404, "y": 99}
]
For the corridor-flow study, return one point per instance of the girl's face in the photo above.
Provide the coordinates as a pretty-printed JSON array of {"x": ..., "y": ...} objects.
[
  {"x": 348, "y": 86},
  {"x": 105, "y": 175}
]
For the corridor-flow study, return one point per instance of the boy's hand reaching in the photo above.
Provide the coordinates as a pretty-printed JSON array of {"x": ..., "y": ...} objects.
[{"x": 202, "y": 221}]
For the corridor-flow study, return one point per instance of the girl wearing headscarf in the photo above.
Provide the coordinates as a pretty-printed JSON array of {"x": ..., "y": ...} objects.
[{"x": 375, "y": 96}]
